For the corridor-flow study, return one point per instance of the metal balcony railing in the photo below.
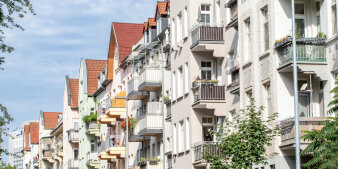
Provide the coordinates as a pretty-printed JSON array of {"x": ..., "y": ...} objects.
[
  {"x": 102, "y": 146},
  {"x": 150, "y": 108},
  {"x": 206, "y": 32},
  {"x": 150, "y": 75},
  {"x": 201, "y": 148},
  {"x": 91, "y": 157},
  {"x": 307, "y": 50},
  {"x": 208, "y": 91},
  {"x": 115, "y": 141},
  {"x": 73, "y": 135},
  {"x": 133, "y": 85},
  {"x": 73, "y": 164}
]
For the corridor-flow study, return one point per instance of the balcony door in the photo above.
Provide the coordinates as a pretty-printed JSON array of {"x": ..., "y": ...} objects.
[
  {"x": 207, "y": 127},
  {"x": 303, "y": 104}
]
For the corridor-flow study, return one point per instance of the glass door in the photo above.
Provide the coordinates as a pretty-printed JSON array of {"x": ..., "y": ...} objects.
[{"x": 303, "y": 104}]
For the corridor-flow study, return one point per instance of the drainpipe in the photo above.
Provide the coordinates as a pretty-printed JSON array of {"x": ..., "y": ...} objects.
[
  {"x": 310, "y": 108},
  {"x": 163, "y": 118},
  {"x": 127, "y": 134}
]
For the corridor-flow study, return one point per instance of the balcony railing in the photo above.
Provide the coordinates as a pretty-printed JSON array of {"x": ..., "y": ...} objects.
[
  {"x": 133, "y": 92},
  {"x": 47, "y": 154},
  {"x": 73, "y": 164},
  {"x": 150, "y": 78},
  {"x": 202, "y": 148},
  {"x": 150, "y": 108},
  {"x": 73, "y": 135},
  {"x": 92, "y": 157},
  {"x": 115, "y": 141},
  {"x": 307, "y": 50},
  {"x": 206, "y": 32},
  {"x": 150, "y": 121},
  {"x": 102, "y": 146},
  {"x": 208, "y": 91},
  {"x": 305, "y": 124}
]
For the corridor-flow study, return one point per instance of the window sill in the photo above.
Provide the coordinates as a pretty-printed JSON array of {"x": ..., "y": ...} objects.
[
  {"x": 247, "y": 64},
  {"x": 264, "y": 54}
]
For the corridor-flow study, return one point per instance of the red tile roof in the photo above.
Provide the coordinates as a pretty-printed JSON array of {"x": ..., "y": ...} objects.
[
  {"x": 26, "y": 136},
  {"x": 34, "y": 131},
  {"x": 74, "y": 92},
  {"x": 94, "y": 68},
  {"x": 50, "y": 119},
  {"x": 127, "y": 35},
  {"x": 161, "y": 7}
]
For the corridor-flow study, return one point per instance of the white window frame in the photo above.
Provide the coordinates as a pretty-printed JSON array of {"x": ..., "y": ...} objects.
[
  {"x": 302, "y": 16},
  {"x": 179, "y": 25},
  {"x": 265, "y": 20},
  {"x": 174, "y": 139},
  {"x": 186, "y": 78},
  {"x": 180, "y": 82},
  {"x": 173, "y": 32},
  {"x": 206, "y": 12},
  {"x": 247, "y": 40},
  {"x": 174, "y": 85},
  {"x": 181, "y": 136},
  {"x": 185, "y": 17},
  {"x": 187, "y": 134},
  {"x": 207, "y": 69}
]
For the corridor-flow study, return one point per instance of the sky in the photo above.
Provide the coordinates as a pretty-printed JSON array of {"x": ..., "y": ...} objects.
[{"x": 52, "y": 45}]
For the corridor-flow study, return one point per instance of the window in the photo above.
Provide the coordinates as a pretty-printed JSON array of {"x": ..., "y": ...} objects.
[
  {"x": 159, "y": 26},
  {"x": 300, "y": 20},
  {"x": 76, "y": 126},
  {"x": 146, "y": 37},
  {"x": 247, "y": 38},
  {"x": 174, "y": 85},
  {"x": 173, "y": 39},
  {"x": 174, "y": 139},
  {"x": 318, "y": 5},
  {"x": 187, "y": 134},
  {"x": 208, "y": 126},
  {"x": 268, "y": 100},
  {"x": 76, "y": 154},
  {"x": 92, "y": 146},
  {"x": 185, "y": 17},
  {"x": 159, "y": 149},
  {"x": 186, "y": 78},
  {"x": 179, "y": 82},
  {"x": 206, "y": 70},
  {"x": 180, "y": 136},
  {"x": 265, "y": 29},
  {"x": 205, "y": 13},
  {"x": 272, "y": 166},
  {"x": 154, "y": 150},
  {"x": 179, "y": 27},
  {"x": 334, "y": 19},
  {"x": 217, "y": 12}
]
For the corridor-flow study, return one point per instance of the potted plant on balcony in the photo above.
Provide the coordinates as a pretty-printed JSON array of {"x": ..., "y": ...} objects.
[
  {"x": 90, "y": 118},
  {"x": 153, "y": 161},
  {"x": 131, "y": 124},
  {"x": 142, "y": 162}
]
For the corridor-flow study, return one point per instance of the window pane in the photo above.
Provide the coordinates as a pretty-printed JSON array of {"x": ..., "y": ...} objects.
[
  {"x": 317, "y": 6},
  {"x": 300, "y": 28},
  {"x": 207, "y": 18},
  {"x": 266, "y": 35},
  {"x": 207, "y": 8},
  {"x": 208, "y": 75},
  {"x": 299, "y": 8},
  {"x": 204, "y": 120},
  {"x": 208, "y": 64},
  {"x": 202, "y": 7},
  {"x": 203, "y": 64},
  {"x": 204, "y": 74}
]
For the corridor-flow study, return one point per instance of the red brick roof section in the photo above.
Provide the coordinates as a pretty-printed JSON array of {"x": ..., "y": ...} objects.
[
  {"x": 34, "y": 131},
  {"x": 74, "y": 92},
  {"x": 94, "y": 68},
  {"x": 26, "y": 137},
  {"x": 127, "y": 35},
  {"x": 161, "y": 7},
  {"x": 50, "y": 119}
]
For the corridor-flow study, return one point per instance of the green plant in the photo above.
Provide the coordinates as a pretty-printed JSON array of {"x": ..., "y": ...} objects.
[
  {"x": 324, "y": 143},
  {"x": 165, "y": 98},
  {"x": 131, "y": 123},
  {"x": 153, "y": 159},
  {"x": 321, "y": 35},
  {"x": 90, "y": 118},
  {"x": 243, "y": 141}
]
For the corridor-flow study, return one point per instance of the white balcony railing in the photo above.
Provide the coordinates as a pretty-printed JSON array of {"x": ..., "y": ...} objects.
[
  {"x": 151, "y": 75},
  {"x": 73, "y": 164},
  {"x": 91, "y": 157},
  {"x": 73, "y": 135},
  {"x": 133, "y": 85},
  {"x": 151, "y": 121}
]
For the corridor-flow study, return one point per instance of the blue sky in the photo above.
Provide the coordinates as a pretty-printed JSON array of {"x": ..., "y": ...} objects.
[{"x": 55, "y": 39}]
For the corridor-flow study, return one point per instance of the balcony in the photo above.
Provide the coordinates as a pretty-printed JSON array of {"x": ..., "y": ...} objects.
[
  {"x": 116, "y": 106},
  {"x": 73, "y": 164},
  {"x": 310, "y": 54},
  {"x": 92, "y": 160},
  {"x": 116, "y": 147},
  {"x": 288, "y": 130},
  {"x": 36, "y": 162},
  {"x": 208, "y": 95},
  {"x": 134, "y": 136},
  {"x": 93, "y": 128},
  {"x": 133, "y": 92},
  {"x": 47, "y": 155},
  {"x": 150, "y": 79},
  {"x": 150, "y": 119},
  {"x": 103, "y": 117},
  {"x": 207, "y": 37},
  {"x": 200, "y": 149},
  {"x": 234, "y": 87},
  {"x": 73, "y": 136},
  {"x": 232, "y": 4},
  {"x": 150, "y": 164}
]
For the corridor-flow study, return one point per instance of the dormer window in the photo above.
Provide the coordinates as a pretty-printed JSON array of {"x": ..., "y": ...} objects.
[
  {"x": 159, "y": 26},
  {"x": 146, "y": 37}
]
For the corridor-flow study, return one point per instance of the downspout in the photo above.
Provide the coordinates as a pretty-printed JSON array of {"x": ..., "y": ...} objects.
[{"x": 163, "y": 118}]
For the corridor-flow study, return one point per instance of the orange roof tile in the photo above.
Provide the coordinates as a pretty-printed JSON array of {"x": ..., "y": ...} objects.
[
  {"x": 50, "y": 119},
  {"x": 34, "y": 132},
  {"x": 26, "y": 136},
  {"x": 152, "y": 22},
  {"x": 161, "y": 7},
  {"x": 127, "y": 35},
  {"x": 94, "y": 68},
  {"x": 74, "y": 92}
]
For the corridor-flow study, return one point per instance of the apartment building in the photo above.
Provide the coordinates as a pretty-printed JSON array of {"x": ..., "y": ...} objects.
[
  {"x": 57, "y": 144},
  {"x": 266, "y": 67},
  {"x": 15, "y": 147},
  {"x": 111, "y": 95},
  {"x": 88, "y": 134},
  {"x": 71, "y": 124},
  {"x": 48, "y": 121},
  {"x": 30, "y": 153}
]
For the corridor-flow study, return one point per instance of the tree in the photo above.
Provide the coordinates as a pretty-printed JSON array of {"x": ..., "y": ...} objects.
[
  {"x": 323, "y": 148},
  {"x": 5, "y": 119},
  {"x": 9, "y": 11},
  {"x": 6, "y": 166},
  {"x": 243, "y": 141}
]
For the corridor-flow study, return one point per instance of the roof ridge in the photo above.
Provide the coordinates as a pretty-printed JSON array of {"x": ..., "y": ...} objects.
[{"x": 129, "y": 23}]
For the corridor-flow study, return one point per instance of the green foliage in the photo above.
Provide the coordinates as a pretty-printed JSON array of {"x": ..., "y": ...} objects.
[
  {"x": 6, "y": 166},
  {"x": 90, "y": 118},
  {"x": 9, "y": 10},
  {"x": 153, "y": 159},
  {"x": 324, "y": 146},
  {"x": 243, "y": 141},
  {"x": 5, "y": 119},
  {"x": 321, "y": 35}
]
